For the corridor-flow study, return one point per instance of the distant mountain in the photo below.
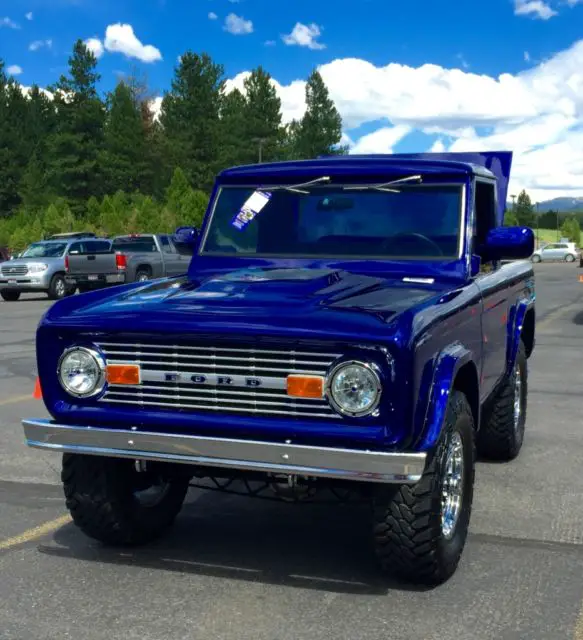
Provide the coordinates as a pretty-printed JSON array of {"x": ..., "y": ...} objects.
[{"x": 558, "y": 204}]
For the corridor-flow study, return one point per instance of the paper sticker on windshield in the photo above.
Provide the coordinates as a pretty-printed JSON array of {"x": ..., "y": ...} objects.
[{"x": 252, "y": 206}]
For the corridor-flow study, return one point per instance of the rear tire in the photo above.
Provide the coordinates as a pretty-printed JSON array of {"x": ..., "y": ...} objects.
[
  {"x": 419, "y": 535},
  {"x": 502, "y": 433},
  {"x": 143, "y": 275},
  {"x": 105, "y": 497},
  {"x": 535, "y": 258},
  {"x": 569, "y": 258},
  {"x": 10, "y": 296}
]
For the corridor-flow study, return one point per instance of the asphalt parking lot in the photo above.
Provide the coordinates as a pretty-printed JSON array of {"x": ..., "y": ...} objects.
[{"x": 239, "y": 569}]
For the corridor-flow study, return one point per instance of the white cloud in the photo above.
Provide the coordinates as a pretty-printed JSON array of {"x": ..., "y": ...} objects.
[
  {"x": 95, "y": 46},
  {"x": 534, "y": 8},
  {"x": 7, "y": 22},
  {"x": 537, "y": 113},
  {"x": 304, "y": 35},
  {"x": 382, "y": 140},
  {"x": 237, "y": 25},
  {"x": 29, "y": 15},
  {"x": 14, "y": 70},
  {"x": 156, "y": 107},
  {"x": 39, "y": 44},
  {"x": 120, "y": 38},
  {"x": 526, "y": 56},
  {"x": 213, "y": 16},
  {"x": 270, "y": 43}
]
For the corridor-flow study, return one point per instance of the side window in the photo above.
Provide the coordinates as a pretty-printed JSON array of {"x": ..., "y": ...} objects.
[
  {"x": 76, "y": 247},
  {"x": 485, "y": 217},
  {"x": 96, "y": 246},
  {"x": 166, "y": 244}
]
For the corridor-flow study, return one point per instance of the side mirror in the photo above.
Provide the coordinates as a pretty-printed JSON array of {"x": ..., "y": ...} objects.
[
  {"x": 508, "y": 243},
  {"x": 186, "y": 239}
]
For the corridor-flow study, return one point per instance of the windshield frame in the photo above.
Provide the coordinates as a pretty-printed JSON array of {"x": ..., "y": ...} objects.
[{"x": 461, "y": 185}]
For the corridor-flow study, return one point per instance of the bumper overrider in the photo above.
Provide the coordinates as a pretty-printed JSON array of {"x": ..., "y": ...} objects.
[{"x": 248, "y": 455}]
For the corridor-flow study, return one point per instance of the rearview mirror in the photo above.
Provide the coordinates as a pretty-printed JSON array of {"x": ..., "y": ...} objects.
[
  {"x": 186, "y": 239},
  {"x": 508, "y": 243}
]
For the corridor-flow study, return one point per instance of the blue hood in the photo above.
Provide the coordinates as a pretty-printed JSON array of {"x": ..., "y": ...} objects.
[{"x": 278, "y": 300}]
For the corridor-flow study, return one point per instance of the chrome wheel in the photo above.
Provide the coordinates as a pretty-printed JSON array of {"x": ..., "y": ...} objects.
[
  {"x": 517, "y": 397},
  {"x": 452, "y": 490},
  {"x": 60, "y": 289}
]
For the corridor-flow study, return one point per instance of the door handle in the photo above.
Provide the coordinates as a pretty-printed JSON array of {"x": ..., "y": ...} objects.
[{"x": 91, "y": 257}]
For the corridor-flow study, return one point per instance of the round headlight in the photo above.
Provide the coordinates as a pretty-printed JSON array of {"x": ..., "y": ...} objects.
[
  {"x": 354, "y": 388},
  {"x": 81, "y": 372}
]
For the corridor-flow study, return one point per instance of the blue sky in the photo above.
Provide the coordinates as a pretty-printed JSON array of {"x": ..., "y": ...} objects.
[{"x": 481, "y": 41}]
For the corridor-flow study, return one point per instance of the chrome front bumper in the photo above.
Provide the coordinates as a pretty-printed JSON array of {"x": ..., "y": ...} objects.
[{"x": 270, "y": 457}]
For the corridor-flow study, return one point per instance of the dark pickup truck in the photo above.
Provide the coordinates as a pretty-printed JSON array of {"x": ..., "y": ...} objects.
[
  {"x": 97, "y": 263},
  {"x": 346, "y": 324}
]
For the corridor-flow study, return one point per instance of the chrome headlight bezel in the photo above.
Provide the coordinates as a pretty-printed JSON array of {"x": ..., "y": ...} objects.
[
  {"x": 101, "y": 368},
  {"x": 372, "y": 370}
]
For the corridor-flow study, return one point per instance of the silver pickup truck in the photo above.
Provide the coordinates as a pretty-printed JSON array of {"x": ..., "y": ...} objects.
[{"x": 130, "y": 258}]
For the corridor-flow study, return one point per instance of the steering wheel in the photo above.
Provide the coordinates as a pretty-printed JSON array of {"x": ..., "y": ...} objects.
[{"x": 435, "y": 248}]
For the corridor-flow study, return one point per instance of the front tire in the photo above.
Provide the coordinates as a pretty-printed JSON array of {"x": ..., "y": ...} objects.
[
  {"x": 10, "y": 296},
  {"x": 569, "y": 258},
  {"x": 420, "y": 530},
  {"x": 108, "y": 498},
  {"x": 502, "y": 433},
  {"x": 57, "y": 288}
]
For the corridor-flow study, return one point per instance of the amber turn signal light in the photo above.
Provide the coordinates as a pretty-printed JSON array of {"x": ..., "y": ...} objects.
[
  {"x": 123, "y": 374},
  {"x": 305, "y": 386}
]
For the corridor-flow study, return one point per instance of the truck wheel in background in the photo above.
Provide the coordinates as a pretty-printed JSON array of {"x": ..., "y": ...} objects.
[
  {"x": 143, "y": 274},
  {"x": 58, "y": 287},
  {"x": 10, "y": 296},
  {"x": 502, "y": 432},
  {"x": 420, "y": 530},
  {"x": 111, "y": 501}
]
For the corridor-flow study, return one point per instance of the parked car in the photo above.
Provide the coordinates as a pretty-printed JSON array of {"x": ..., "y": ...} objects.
[
  {"x": 565, "y": 251},
  {"x": 323, "y": 337},
  {"x": 40, "y": 268},
  {"x": 131, "y": 258}
]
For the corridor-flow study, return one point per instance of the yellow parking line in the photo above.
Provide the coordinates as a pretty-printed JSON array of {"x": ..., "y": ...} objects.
[
  {"x": 35, "y": 532},
  {"x": 579, "y": 626},
  {"x": 16, "y": 399}
]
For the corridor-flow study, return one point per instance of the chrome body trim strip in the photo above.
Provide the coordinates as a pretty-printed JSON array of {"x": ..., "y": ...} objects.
[{"x": 249, "y": 455}]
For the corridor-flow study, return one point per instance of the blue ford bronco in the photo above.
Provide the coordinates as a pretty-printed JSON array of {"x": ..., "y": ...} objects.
[{"x": 355, "y": 324}]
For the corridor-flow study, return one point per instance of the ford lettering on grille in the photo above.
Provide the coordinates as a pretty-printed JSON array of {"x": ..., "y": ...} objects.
[{"x": 226, "y": 379}]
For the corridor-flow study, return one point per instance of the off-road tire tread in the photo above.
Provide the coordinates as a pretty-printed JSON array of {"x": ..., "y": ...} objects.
[
  {"x": 496, "y": 437},
  {"x": 405, "y": 535},
  {"x": 96, "y": 496}
]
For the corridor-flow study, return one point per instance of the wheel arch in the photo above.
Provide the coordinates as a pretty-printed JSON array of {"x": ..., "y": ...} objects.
[{"x": 455, "y": 369}]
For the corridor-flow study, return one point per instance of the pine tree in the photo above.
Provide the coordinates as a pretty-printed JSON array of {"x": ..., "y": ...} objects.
[
  {"x": 190, "y": 118},
  {"x": 13, "y": 142},
  {"x": 33, "y": 188},
  {"x": 76, "y": 143},
  {"x": 124, "y": 160},
  {"x": 234, "y": 145},
  {"x": 524, "y": 210},
  {"x": 320, "y": 129},
  {"x": 262, "y": 117}
]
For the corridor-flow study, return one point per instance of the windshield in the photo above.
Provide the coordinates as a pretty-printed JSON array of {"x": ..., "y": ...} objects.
[
  {"x": 415, "y": 222},
  {"x": 45, "y": 250}
]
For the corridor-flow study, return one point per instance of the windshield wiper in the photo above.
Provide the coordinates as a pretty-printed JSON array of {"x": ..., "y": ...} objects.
[
  {"x": 295, "y": 188},
  {"x": 384, "y": 186}
]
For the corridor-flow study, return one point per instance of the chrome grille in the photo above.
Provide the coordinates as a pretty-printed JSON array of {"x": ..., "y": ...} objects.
[
  {"x": 167, "y": 372},
  {"x": 18, "y": 270}
]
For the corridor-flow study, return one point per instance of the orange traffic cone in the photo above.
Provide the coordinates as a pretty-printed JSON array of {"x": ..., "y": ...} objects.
[{"x": 38, "y": 392}]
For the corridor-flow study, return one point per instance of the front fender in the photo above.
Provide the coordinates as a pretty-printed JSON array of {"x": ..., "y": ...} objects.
[
  {"x": 514, "y": 329},
  {"x": 432, "y": 404}
]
